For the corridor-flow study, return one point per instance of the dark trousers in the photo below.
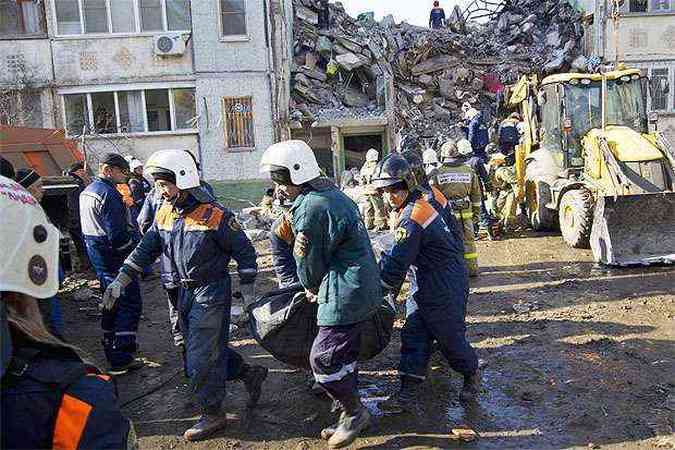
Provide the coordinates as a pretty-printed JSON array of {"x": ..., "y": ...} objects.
[
  {"x": 172, "y": 296},
  {"x": 446, "y": 326},
  {"x": 333, "y": 360},
  {"x": 205, "y": 323},
  {"x": 121, "y": 324}
]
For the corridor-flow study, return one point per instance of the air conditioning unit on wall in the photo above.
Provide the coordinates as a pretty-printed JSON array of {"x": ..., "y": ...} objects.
[{"x": 170, "y": 44}]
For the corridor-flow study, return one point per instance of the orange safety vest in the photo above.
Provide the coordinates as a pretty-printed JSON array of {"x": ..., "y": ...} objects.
[{"x": 125, "y": 192}]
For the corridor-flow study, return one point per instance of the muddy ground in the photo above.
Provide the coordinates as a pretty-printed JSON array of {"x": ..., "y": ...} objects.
[{"x": 574, "y": 357}]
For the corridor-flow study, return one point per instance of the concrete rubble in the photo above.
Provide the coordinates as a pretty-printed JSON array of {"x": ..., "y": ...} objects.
[{"x": 340, "y": 70}]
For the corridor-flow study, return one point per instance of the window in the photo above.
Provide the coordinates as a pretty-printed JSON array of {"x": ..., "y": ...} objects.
[
  {"x": 233, "y": 17},
  {"x": 120, "y": 16},
  {"x": 21, "y": 108},
  {"x": 152, "y": 110},
  {"x": 20, "y": 17},
  {"x": 185, "y": 111},
  {"x": 660, "y": 89},
  {"x": 158, "y": 110},
  {"x": 637, "y": 6},
  {"x": 238, "y": 122},
  {"x": 131, "y": 111},
  {"x": 76, "y": 113}
]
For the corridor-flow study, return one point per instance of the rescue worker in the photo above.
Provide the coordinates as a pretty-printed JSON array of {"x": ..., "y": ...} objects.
[
  {"x": 430, "y": 159},
  {"x": 337, "y": 268},
  {"x": 460, "y": 185},
  {"x": 437, "y": 17},
  {"x": 470, "y": 159},
  {"x": 168, "y": 275},
  {"x": 509, "y": 135},
  {"x": 282, "y": 240},
  {"x": 50, "y": 398},
  {"x": 375, "y": 215},
  {"x": 82, "y": 179},
  {"x": 139, "y": 188},
  {"x": 423, "y": 240},
  {"x": 477, "y": 133},
  {"x": 506, "y": 188},
  {"x": 201, "y": 237},
  {"x": 109, "y": 239}
]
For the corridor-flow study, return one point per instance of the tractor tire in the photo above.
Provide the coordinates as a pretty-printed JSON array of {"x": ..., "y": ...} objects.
[
  {"x": 576, "y": 217},
  {"x": 541, "y": 218}
]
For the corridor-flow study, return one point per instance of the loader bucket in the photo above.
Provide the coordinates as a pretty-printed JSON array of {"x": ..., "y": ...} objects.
[{"x": 634, "y": 229}]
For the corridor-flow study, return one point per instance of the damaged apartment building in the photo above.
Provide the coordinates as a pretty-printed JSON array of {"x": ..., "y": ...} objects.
[{"x": 136, "y": 76}]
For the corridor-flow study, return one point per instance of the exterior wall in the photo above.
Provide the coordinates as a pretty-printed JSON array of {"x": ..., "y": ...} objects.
[
  {"x": 89, "y": 60},
  {"x": 25, "y": 59},
  {"x": 220, "y": 163},
  {"x": 214, "y": 53},
  {"x": 231, "y": 67}
]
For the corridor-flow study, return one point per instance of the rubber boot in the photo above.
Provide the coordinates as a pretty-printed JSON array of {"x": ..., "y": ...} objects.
[
  {"x": 208, "y": 425},
  {"x": 253, "y": 379},
  {"x": 404, "y": 400},
  {"x": 352, "y": 422},
  {"x": 471, "y": 387}
]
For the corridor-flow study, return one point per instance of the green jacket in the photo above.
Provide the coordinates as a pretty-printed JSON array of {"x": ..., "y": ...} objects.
[{"x": 338, "y": 261}]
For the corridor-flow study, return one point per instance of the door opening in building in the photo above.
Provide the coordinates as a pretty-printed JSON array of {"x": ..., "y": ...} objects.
[{"x": 356, "y": 147}]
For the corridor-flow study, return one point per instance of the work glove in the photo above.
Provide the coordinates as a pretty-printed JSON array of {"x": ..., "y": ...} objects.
[
  {"x": 114, "y": 291},
  {"x": 247, "y": 292}
]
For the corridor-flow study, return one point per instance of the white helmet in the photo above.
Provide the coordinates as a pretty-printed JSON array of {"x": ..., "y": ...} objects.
[
  {"x": 29, "y": 244},
  {"x": 372, "y": 155},
  {"x": 464, "y": 147},
  {"x": 180, "y": 163},
  {"x": 296, "y": 156},
  {"x": 430, "y": 156},
  {"x": 135, "y": 164}
]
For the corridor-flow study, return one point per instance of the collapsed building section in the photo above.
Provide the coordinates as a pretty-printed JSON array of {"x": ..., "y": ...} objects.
[{"x": 358, "y": 83}]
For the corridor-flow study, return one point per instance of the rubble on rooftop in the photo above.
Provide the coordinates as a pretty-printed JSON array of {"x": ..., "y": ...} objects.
[{"x": 340, "y": 70}]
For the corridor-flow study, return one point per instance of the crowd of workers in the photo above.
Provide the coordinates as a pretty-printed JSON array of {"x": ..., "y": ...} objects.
[{"x": 436, "y": 202}]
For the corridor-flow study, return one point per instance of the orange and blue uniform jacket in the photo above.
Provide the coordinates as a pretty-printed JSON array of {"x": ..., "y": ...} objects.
[
  {"x": 200, "y": 239},
  {"x": 51, "y": 399}
]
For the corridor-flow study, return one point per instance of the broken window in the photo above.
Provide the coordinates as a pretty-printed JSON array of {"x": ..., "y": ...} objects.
[
  {"x": 123, "y": 18},
  {"x": 178, "y": 15},
  {"x": 21, "y": 108},
  {"x": 158, "y": 110},
  {"x": 19, "y": 17},
  {"x": 76, "y": 113},
  {"x": 238, "y": 122},
  {"x": 103, "y": 106},
  {"x": 637, "y": 6},
  {"x": 185, "y": 108},
  {"x": 131, "y": 111},
  {"x": 68, "y": 17},
  {"x": 233, "y": 17},
  {"x": 660, "y": 89}
]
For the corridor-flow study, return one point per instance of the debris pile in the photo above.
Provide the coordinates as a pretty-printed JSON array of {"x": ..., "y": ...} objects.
[{"x": 341, "y": 68}]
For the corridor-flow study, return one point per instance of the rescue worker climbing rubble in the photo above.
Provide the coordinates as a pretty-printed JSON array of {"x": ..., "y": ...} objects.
[
  {"x": 201, "y": 238},
  {"x": 423, "y": 240},
  {"x": 375, "y": 215},
  {"x": 109, "y": 239},
  {"x": 337, "y": 268},
  {"x": 437, "y": 17},
  {"x": 50, "y": 398},
  {"x": 460, "y": 185},
  {"x": 477, "y": 133}
]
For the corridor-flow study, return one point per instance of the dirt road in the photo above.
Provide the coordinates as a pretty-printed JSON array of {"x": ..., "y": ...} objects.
[{"x": 575, "y": 357}]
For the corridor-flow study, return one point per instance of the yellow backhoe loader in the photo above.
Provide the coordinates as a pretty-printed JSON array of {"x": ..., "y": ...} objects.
[{"x": 589, "y": 164}]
